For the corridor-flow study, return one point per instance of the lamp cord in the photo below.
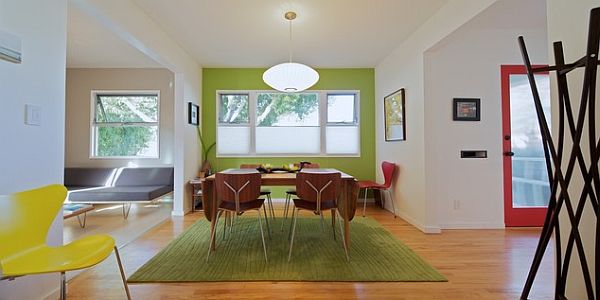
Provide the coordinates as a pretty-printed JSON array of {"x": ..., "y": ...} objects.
[{"x": 290, "y": 46}]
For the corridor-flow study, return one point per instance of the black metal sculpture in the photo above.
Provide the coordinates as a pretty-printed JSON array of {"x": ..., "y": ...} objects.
[{"x": 560, "y": 177}]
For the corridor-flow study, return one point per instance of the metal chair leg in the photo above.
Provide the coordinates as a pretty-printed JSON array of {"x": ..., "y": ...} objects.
[
  {"x": 322, "y": 221},
  {"x": 271, "y": 209},
  {"x": 266, "y": 220},
  {"x": 122, "y": 273},
  {"x": 392, "y": 199},
  {"x": 227, "y": 220},
  {"x": 262, "y": 235},
  {"x": 365, "y": 202},
  {"x": 285, "y": 209},
  {"x": 342, "y": 234},
  {"x": 295, "y": 218},
  {"x": 212, "y": 235},
  {"x": 63, "y": 286}
]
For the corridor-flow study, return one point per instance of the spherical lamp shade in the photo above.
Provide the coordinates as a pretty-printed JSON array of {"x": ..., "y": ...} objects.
[{"x": 290, "y": 77}]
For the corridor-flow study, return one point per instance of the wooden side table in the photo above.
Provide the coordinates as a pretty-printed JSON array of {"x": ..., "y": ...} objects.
[{"x": 196, "y": 196}]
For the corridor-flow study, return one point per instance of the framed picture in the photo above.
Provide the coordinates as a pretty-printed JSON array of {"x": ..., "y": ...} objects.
[
  {"x": 395, "y": 121},
  {"x": 466, "y": 109},
  {"x": 192, "y": 113}
]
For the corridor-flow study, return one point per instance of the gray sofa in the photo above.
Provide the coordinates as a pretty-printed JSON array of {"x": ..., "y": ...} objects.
[{"x": 118, "y": 185}]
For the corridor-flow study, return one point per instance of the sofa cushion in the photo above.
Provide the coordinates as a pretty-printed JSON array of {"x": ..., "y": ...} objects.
[
  {"x": 144, "y": 177},
  {"x": 84, "y": 177},
  {"x": 120, "y": 193}
]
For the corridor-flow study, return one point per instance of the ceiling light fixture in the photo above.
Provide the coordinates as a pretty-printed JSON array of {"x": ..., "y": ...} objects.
[{"x": 290, "y": 77}]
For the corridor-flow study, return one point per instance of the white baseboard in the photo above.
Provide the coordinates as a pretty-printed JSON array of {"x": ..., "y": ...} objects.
[
  {"x": 419, "y": 225},
  {"x": 473, "y": 225},
  {"x": 177, "y": 213}
]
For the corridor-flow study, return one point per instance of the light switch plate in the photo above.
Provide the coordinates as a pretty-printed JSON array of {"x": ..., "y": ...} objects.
[{"x": 33, "y": 115}]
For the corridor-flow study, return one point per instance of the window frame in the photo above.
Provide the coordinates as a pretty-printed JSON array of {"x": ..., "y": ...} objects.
[
  {"x": 323, "y": 107},
  {"x": 93, "y": 124}
]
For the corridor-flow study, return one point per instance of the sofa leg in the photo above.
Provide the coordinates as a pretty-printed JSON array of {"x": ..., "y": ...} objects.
[{"x": 126, "y": 209}]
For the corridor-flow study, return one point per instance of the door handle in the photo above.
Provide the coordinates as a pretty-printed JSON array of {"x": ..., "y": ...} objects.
[{"x": 509, "y": 153}]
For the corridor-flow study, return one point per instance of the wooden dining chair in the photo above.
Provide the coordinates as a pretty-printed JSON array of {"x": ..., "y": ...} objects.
[
  {"x": 239, "y": 192},
  {"x": 292, "y": 192},
  {"x": 263, "y": 191},
  {"x": 317, "y": 192}
]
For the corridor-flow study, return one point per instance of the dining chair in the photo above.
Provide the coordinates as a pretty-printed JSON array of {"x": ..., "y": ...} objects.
[
  {"x": 26, "y": 217},
  {"x": 317, "y": 192},
  {"x": 263, "y": 191},
  {"x": 238, "y": 191},
  {"x": 292, "y": 192},
  {"x": 389, "y": 170}
]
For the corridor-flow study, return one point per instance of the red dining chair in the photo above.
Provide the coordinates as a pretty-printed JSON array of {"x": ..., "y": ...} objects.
[{"x": 389, "y": 169}]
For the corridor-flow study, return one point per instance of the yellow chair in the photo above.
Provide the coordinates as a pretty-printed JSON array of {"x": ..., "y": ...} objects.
[{"x": 25, "y": 218}]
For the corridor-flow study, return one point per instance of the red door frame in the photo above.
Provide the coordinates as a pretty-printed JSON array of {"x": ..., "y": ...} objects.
[{"x": 514, "y": 217}]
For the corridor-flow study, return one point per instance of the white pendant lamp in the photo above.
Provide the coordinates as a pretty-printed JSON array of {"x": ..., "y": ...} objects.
[{"x": 290, "y": 77}]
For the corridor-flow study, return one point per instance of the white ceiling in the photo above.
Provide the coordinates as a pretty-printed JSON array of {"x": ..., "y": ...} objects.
[
  {"x": 90, "y": 45},
  {"x": 244, "y": 33}
]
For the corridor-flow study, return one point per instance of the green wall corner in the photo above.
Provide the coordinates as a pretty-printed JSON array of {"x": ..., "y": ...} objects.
[{"x": 363, "y": 167}]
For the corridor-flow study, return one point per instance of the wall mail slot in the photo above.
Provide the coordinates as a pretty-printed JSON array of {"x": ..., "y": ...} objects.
[{"x": 473, "y": 154}]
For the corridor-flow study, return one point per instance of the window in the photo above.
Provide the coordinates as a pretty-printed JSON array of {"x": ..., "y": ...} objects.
[
  {"x": 342, "y": 131},
  {"x": 125, "y": 125},
  {"x": 315, "y": 123}
]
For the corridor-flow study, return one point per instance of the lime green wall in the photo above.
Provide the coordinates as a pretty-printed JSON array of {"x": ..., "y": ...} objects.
[{"x": 330, "y": 79}]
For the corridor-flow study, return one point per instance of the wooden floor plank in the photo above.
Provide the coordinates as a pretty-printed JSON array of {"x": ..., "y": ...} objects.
[{"x": 479, "y": 264}]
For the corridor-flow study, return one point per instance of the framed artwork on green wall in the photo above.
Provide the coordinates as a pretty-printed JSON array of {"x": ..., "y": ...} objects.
[{"x": 393, "y": 110}]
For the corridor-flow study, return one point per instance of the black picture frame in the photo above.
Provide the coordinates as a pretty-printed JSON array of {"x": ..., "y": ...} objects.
[
  {"x": 466, "y": 109},
  {"x": 394, "y": 116},
  {"x": 192, "y": 113}
]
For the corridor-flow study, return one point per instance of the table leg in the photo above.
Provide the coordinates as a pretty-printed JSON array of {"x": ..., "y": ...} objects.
[
  {"x": 209, "y": 205},
  {"x": 347, "y": 198}
]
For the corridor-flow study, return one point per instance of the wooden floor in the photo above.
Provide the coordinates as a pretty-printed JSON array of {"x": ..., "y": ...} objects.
[{"x": 479, "y": 264}]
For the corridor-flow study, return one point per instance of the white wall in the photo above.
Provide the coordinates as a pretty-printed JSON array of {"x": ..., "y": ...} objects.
[
  {"x": 466, "y": 64},
  {"x": 80, "y": 84},
  {"x": 129, "y": 22},
  {"x": 32, "y": 156},
  {"x": 404, "y": 67},
  {"x": 568, "y": 22}
]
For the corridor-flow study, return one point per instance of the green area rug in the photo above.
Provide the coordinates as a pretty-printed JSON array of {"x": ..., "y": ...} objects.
[{"x": 375, "y": 255}]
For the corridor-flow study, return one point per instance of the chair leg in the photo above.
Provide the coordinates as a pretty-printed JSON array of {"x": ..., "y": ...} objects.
[
  {"x": 392, "y": 200},
  {"x": 266, "y": 220},
  {"x": 295, "y": 218},
  {"x": 126, "y": 211},
  {"x": 291, "y": 223},
  {"x": 342, "y": 234},
  {"x": 333, "y": 223},
  {"x": 122, "y": 273},
  {"x": 285, "y": 209},
  {"x": 322, "y": 221},
  {"x": 212, "y": 235},
  {"x": 262, "y": 234},
  {"x": 227, "y": 220},
  {"x": 365, "y": 202},
  {"x": 271, "y": 209},
  {"x": 63, "y": 286}
]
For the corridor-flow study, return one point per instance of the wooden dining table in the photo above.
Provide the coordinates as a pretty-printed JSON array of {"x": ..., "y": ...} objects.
[{"x": 346, "y": 202}]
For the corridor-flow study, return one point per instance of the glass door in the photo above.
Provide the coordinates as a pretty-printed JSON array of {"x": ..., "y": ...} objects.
[{"x": 526, "y": 185}]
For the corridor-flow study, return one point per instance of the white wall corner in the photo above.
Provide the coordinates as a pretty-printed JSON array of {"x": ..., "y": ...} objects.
[{"x": 425, "y": 228}]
